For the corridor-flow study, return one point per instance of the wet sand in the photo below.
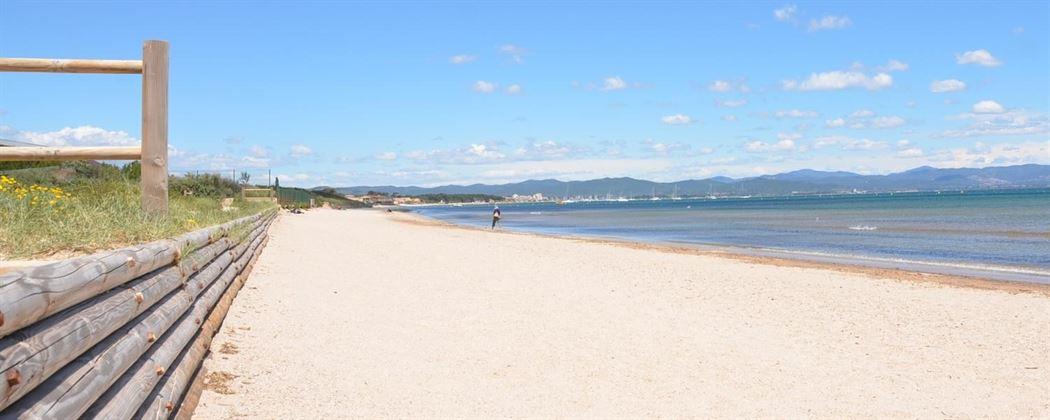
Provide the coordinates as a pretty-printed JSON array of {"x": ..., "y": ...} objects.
[{"x": 370, "y": 314}]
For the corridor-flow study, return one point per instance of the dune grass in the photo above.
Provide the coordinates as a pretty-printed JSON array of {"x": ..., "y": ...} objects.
[{"x": 46, "y": 221}]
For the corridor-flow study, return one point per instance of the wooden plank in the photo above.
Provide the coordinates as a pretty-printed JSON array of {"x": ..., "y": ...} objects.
[
  {"x": 27, "y": 296},
  {"x": 32, "y": 294},
  {"x": 70, "y": 391},
  {"x": 69, "y": 153},
  {"x": 54, "y": 65},
  {"x": 165, "y": 397},
  {"x": 155, "y": 127},
  {"x": 39, "y": 350},
  {"x": 125, "y": 396}
]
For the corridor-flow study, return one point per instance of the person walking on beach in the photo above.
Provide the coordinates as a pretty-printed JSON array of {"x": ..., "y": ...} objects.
[{"x": 495, "y": 216}]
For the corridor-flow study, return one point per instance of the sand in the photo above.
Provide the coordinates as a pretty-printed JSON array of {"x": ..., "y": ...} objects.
[{"x": 367, "y": 314}]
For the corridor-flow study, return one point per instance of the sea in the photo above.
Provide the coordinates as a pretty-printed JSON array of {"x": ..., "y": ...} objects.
[{"x": 997, "y": 234}]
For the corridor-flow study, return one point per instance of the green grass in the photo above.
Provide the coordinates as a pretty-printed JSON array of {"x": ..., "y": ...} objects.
[
  {"x": 335, "y": 200},
  {"x": 91, "y": 215}
]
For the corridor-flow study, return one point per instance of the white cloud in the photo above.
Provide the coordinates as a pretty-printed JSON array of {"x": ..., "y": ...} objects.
[
  {"x": 573, "y": 169},
  {"x": 259, "y": 151},
  {"x": 893, "y": 65},
  {"x": 786, "y": 13},
  {"x": 947, "y": 85},
  {"x": 732, "y": 103},
  {"x": 911, "y": 152},
  {"x": 997, "y": 155},
  {"x": 484, "y": 87},
  {"x": 677, "y": 119},
  {"x": 491, "y": 153},
  {"x": 299, "y": 150},
  {"x": 185, "y": 160},
  {"x": 515, "y": 52},
  {"x": 513, "y": 89},
  {"x": 85, "y": 135},
  {"x": 796, "y": 113},
  {"x": 387, "y": 156},
  {"x": 609, "y": 83},
  {"x": 664, "y": 149},
  {"x": 887, "y": 122},
  {"x": 462, "y": 59},
  {"x": 848, "y": 143},
  {"x": 829, "y": 22},
  {"x": 978, "y": 57},
  {"x": 613, "y": 83},
  {"x": 297, "y": 178},
  {"x": 549, "y": 149},
  {"x": 484, "y": 151},
  {"x": 254, "y": 162},
  {"x": 822, "y": 142},
  {"x": 837, "y": 122},
  {"x": 837, "y": 80},
  {"x": 785, "y": 142},
  {"x": 729, "y": 117},
  {"x": 863, "y": 144},
  {"x": 1006, "y": 123},
  {"x": 720, "y": 86},
  {"x": 865, "y": 118},
  {"x": 988, "y": 107}
]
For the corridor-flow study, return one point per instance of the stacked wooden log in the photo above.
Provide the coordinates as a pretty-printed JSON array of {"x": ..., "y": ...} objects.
[{"x": 120, "y": 334}]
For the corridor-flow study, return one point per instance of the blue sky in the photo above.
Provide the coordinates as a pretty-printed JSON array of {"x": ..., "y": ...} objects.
[{"x": 332, "y": 93}]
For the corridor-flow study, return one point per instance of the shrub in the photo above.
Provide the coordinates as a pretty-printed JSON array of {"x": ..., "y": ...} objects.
[
  {"x": 132, "y": 170},
  {"x": 258, "y": 192},
  {"x": 204, "y": 185}
]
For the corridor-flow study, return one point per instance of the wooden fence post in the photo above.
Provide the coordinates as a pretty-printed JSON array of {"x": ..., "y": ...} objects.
[{"x": 155, "y": 127}]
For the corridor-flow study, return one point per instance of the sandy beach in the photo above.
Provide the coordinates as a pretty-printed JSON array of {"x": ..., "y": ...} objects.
[{"x": 366, "y": 314}]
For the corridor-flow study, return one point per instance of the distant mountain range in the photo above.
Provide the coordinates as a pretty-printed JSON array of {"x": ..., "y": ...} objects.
[{"x": 804, "y": 181}]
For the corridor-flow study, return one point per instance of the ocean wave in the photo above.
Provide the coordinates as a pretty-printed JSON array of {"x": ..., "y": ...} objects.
[{"x": 863, "y": 227}]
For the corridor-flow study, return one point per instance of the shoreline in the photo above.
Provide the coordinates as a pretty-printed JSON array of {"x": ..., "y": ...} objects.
[{"x": 777, "y": 258}]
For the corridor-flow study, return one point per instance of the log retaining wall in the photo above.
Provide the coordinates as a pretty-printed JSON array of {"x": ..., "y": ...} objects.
[{"x": 122, "y": 333}]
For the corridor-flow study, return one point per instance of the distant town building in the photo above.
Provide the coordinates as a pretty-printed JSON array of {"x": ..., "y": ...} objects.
[
  {"x": 527, "y": 198},
  {"x": 407, "y": 200},
  {"x": 383, "y": 199}
]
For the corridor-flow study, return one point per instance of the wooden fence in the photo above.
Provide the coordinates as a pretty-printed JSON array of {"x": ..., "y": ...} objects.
[
  {"x": 121, "y": 334},
  {"x": 154, "y": 150}
]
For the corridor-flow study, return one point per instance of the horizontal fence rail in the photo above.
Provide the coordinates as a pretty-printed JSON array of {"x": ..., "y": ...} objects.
[
  {"x": 50, "y": 65},
  {"x": 120, "y": 334},
  {"x": 71, "y": 153}
]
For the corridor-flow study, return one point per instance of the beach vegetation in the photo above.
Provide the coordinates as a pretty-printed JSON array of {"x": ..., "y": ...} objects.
[
  {"x": 52, "y": 213},
  {"x": 332, "y": 198}
]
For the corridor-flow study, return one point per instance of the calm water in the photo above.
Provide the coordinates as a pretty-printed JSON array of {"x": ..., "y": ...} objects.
[{"x": 1004, "y": 229}]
